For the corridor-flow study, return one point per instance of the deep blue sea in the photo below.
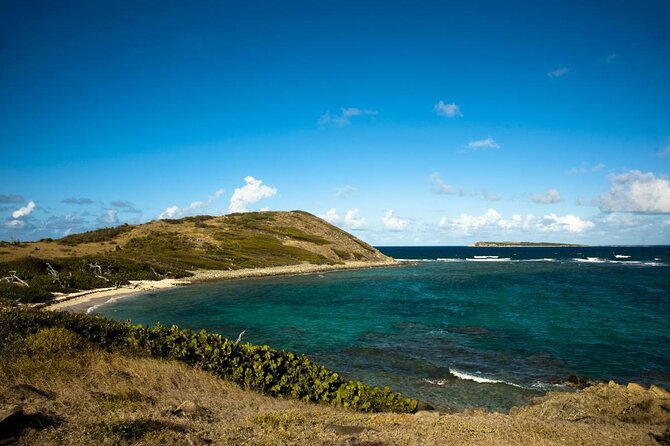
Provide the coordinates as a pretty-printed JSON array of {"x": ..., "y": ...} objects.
[{"x": 461, "y": 327}]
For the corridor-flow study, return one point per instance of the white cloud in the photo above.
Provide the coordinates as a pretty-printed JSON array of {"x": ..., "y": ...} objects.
[
  {"x": 570, "y": 223},
  {"x": 487, "y": 143},
  {"x": 636, "y": 192},
  {"x": 331, "y": 216},
  {"x": 550, "y": 197},
  {"x": 449, "y": 110},
  {"x": 492, "y": 219},
  {"x": 170, "y": 212},
  {"x": 346, "y": 191},
  {"x": 394, "y": 223},
  {"x": 252, "y": 192},
  {"x": 466, "y": 223},
  {"x": 194, "y": 207},
  {"x": 558, "y": 72},
  {"x": 353, "y": 221},
  {"x": 586, "y": 168},
  {"x": 24, "y": 211},
  {"x": 344, "y": 118},
  {"x": 665, "y": 152}
]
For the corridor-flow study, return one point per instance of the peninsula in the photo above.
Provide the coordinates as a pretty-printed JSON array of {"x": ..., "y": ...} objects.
[
  {"x": 134, "y": 258},
  {"x": 506, "y": 244}
]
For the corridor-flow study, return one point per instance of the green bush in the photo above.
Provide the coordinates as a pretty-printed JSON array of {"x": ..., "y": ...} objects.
[
  {"x": 50, "y": 341},
  {"x": 261, "y": 368}
]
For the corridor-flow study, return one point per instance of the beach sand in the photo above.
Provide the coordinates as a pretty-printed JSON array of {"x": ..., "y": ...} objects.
[{"x": 84, "y": 301}]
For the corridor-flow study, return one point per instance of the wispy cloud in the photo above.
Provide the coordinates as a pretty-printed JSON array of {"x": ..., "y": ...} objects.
[
  {"x": 488, "y": 143},
  {"x": 72, "y": 200},
  {"x": 346, "y": 191},
  {"x": 449, "y": 110},
  {"x": 665, "y": 152},
  {"x": 344, "y": 118},
  {"x": 549, "y": 197},
  {"x": 251, "y": 192},
  {"x": 586, "y": 168},
  {"x": 393, "y": 223},
  {"x": 191, "y": 209},
  {"x": 122, "y": 204},
  {"x": 11, "y": 199},
  {"x": 558, "y": 72},
  {"x": 638, "y": 192},
  {"x": 438, "y": 186}
]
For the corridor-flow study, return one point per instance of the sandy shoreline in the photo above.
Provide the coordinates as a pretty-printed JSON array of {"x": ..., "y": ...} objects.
[{"x": 84, "y": 301}]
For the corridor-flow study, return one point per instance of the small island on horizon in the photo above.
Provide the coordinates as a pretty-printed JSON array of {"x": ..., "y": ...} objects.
[{"x": 507, "y": 244}]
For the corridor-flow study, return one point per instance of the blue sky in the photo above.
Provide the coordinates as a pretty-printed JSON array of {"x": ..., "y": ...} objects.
[{"x": 430, "y": 123}]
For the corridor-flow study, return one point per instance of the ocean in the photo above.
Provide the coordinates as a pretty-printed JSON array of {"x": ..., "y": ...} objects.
[{"x": 459, "y": 328}]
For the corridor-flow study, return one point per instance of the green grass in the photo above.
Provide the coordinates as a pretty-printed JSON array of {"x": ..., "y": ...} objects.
[{"x": 97, "y": 236}]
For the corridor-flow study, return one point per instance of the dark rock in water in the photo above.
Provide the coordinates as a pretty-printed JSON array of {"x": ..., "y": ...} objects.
[
  {"x": 13, "y": 420},
  {"x": 580, "y": 382}
]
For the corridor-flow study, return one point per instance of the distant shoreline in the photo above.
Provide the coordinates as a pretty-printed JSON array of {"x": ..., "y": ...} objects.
[
  {"x": 526, "y": 245},
  {"x": 84, "y": 301}
]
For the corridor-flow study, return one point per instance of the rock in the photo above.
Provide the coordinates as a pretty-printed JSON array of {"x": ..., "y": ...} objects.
[
  {"x": 345, "y": 430},
  {"x": 581, "y": 382},
  {"x": 659, "y": 391},
  {"x": 427, "y": 414},
  {"x": 633, "y": 387},
  {"x": 663, "y": 439},
  {"x": 189, "y": 409},
  {"x": 612, "y": 383}
]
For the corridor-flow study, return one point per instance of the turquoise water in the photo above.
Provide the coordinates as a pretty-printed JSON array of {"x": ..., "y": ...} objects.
[{"x": 454, "y": 332}]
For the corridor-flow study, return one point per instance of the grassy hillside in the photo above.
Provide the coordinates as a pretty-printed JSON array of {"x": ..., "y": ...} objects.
[
  {"x": 172, "y": 248},
  {"x": 61, "y": 387}
]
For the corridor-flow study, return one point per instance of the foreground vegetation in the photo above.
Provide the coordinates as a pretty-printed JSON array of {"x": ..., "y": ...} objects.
[
  {"x": 65, "y": 389},
  {"x": 260, "y": 368},
  {"x": 32, "y": 272}
]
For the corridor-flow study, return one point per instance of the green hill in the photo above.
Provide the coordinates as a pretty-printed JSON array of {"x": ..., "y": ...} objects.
[{"x": 174, "y": 248}]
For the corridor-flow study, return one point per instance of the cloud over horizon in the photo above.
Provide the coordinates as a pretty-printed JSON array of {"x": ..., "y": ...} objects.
[
  {"x": 393, "y": 223},
  {"x": 493, "y": 220},
  {"x": 635, "y": 191}
]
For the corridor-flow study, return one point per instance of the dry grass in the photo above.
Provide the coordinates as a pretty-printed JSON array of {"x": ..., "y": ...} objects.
[{"x": 106, "y": 398}]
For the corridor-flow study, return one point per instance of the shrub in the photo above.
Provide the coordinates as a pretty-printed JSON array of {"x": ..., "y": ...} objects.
[
  {"x": 52, "y": 341},
  {"x": 261, "y": 368}
]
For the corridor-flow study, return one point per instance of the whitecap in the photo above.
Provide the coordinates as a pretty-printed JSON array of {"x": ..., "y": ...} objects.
[
  {"x": 488, "y": 259},
  {"x": 619, "y": 256},
  {"x": 478, "y": 378}
]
